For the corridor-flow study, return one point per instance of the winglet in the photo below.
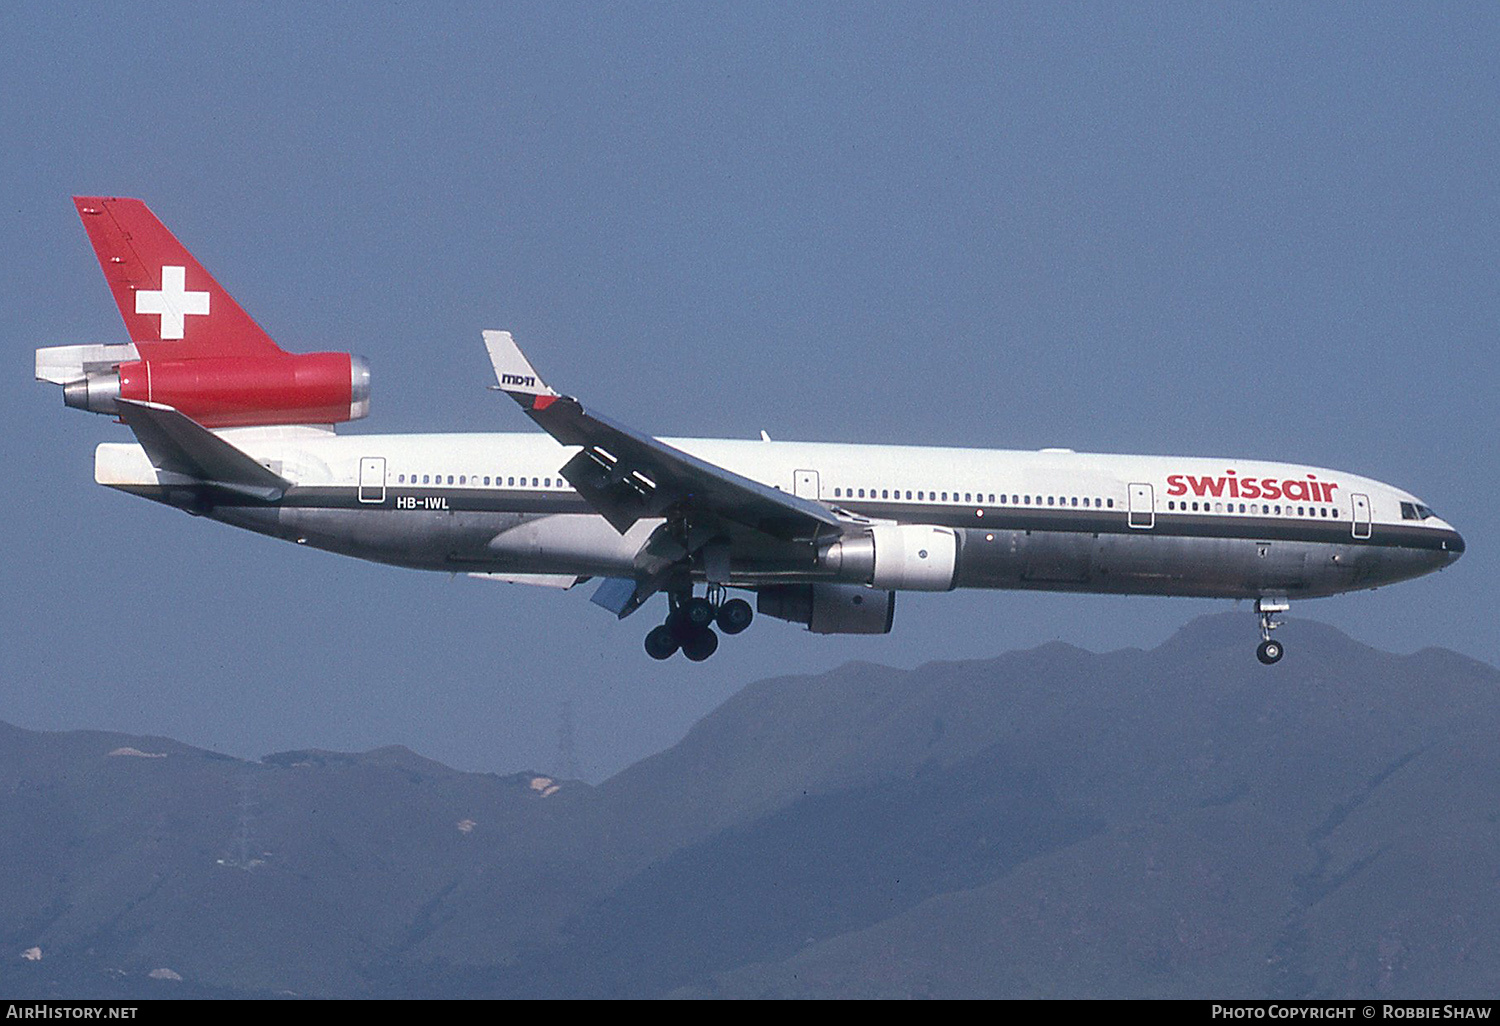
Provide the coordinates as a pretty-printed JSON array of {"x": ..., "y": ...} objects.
[{"x": 514, "y": 372}]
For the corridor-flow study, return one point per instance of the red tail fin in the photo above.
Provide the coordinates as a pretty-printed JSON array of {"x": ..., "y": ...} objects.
[{"x": 173, "y": 308}]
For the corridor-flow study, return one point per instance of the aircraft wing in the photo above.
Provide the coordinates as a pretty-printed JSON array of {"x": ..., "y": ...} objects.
[{"x": 627, "y": 476}]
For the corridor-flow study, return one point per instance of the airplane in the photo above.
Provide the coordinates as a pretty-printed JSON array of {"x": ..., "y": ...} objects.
[{"x": 231, "y": 427}]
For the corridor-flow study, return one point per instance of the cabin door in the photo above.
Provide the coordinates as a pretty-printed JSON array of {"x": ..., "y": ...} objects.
[
  {"x": 1361, "y": 515},
  {"x": 372, "y": 479},
  {"x": 1142, "y": 507},
  {"x": 805, "y": 484}
]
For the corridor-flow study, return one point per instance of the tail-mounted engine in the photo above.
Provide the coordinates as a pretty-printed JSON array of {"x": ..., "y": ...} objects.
[
  {"x": 194, "y": 348},
  {"x": 217, "y": 392}
]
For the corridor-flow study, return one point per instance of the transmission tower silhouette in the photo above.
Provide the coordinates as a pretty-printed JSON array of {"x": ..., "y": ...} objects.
[{"x": 566, "y": 766}]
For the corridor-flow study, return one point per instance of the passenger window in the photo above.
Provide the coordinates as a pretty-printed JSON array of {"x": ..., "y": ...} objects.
[
  {"x": 486, "y": 479},
  {"x": 1109, "y": 503},
  {"x": 885, "y": 493},
  {"x": 1028, "y": 500},
  {"x": 424, "y": 478},
  {"x": 992, "y": 500},
  {"x": 463, "y": 478},
  {"x": 945, "y": 496},
  {"x": 547, "y": 481},
  {"x": 968, "y": 497},
  {"x": 908, "y": 494}
]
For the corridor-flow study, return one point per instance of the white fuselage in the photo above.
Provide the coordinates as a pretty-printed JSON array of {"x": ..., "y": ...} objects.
[{"x": 496, "y": 503}]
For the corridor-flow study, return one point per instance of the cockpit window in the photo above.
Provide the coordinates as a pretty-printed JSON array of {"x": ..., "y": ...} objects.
[
  {"x": 1416, "y": 511},
  {"x": 1423, "y": 512}
]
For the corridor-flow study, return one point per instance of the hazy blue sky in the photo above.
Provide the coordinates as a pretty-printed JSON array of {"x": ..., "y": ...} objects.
[{"x": 1249, "y": 230}]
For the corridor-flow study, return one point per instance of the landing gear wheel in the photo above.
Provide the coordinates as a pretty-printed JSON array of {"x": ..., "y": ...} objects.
[
  {"x": 734, "y": 616},
  {"x": 697, "y": 612},
  {"x": 1266, "y": 607},
  {"x": 661, "y": 643},
  {"x": 701, "y": 645},
  {"x": 677, "y": 623}
]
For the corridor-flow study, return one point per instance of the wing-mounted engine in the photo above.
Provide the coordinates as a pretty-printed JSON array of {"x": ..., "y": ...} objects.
[
  {"x": 900, "y": 557},
  {"x": 830, "y": 608},
  {"x": 217, "y": 392}
]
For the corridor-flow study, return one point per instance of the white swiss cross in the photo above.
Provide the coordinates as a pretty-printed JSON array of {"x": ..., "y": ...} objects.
[{"x": 174, "y": 302}]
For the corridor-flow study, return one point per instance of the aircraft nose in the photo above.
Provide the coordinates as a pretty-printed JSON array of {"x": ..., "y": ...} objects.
[{"x": 1454, "y": 546}]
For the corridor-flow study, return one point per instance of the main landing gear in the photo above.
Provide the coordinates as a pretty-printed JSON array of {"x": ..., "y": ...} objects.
[
  {"x": 1270, "y": 651},
  {"x": 690, "y": 624}
]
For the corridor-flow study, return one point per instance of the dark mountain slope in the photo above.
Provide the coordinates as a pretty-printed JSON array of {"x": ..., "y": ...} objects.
[
  {"x": 1334, "y": 834},
  {"x": 289, "y": 875},
  {"x": 1175, "y": 822}
]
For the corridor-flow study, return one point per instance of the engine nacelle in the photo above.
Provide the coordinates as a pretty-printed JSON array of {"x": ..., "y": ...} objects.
[
  {"x": 830, "y": 608},
  {"x": 240, "y": 391},
  {"x": 902, "y": 557}
]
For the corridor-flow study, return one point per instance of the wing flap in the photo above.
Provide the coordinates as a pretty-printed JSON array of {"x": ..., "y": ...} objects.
[{"x": 560, "y": 581}]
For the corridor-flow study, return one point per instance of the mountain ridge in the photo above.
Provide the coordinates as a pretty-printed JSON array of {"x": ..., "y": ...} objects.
[{"x": 1178, "y": 821}]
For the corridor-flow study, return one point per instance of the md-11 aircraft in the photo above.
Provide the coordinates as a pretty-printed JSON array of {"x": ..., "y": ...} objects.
[{"x": 230, "y": 426}]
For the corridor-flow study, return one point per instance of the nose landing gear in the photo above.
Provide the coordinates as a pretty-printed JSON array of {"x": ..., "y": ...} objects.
[
  {"x": 689, "y": 626},
  {"x": 1270, "y": 651}
]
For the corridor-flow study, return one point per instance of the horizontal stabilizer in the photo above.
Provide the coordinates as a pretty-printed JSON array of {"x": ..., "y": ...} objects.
[
  {"x": 178, "y": 444},
  {"x": 63, "y": 365}
]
